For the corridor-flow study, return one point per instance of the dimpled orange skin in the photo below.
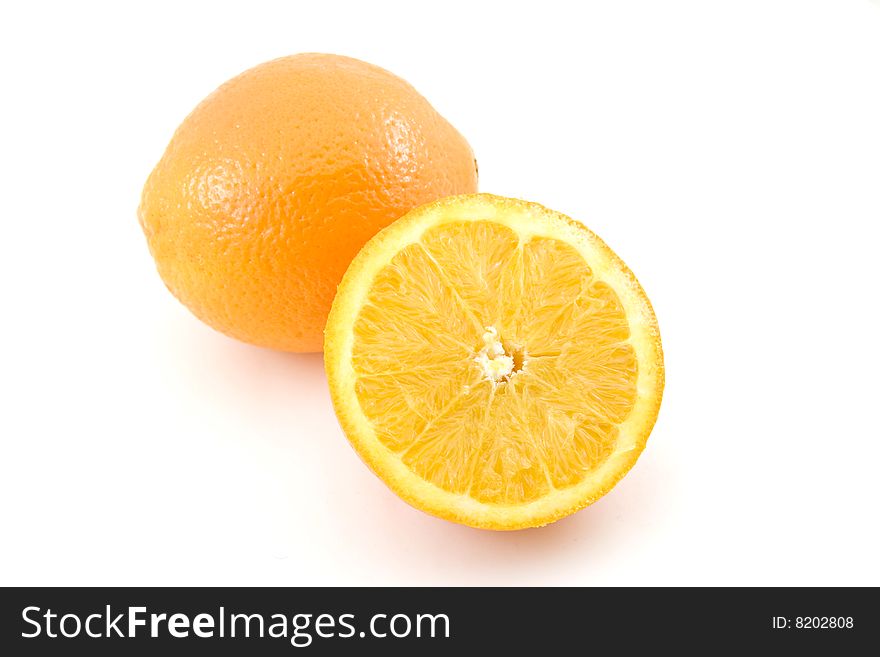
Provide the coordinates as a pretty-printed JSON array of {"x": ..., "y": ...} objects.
[{"x": 274, "y": 182}]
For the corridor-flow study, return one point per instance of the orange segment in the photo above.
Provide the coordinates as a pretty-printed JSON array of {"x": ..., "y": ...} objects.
[
  {"x": 477, "y": 259},
  {"x": 494, "y": 362}
]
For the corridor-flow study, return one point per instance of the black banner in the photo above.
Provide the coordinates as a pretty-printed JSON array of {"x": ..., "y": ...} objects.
[{"x": 333, "y": 621}]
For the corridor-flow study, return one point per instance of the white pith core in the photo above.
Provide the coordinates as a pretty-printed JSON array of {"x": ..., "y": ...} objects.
[{"x": 497, "y": 363}]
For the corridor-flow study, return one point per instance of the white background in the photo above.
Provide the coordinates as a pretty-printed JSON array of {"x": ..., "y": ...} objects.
[{"x": 728, "y": 151}]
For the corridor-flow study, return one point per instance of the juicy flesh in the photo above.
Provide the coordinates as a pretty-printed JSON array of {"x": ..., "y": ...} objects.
[{"x": 494, "y": 367}]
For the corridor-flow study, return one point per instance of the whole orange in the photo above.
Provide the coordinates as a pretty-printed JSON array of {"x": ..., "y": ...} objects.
[{"x": 274, "y": 182}]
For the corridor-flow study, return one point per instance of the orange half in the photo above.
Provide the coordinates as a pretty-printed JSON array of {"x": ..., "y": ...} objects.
[{"x": 494, "y": 362}]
